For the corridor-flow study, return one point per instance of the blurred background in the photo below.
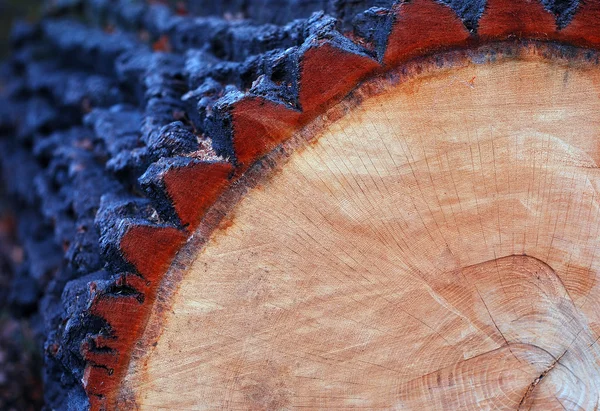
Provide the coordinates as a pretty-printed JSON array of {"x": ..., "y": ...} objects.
[
  {"x": 20, "y": 359},
  {"x": 11, "y": 10}
]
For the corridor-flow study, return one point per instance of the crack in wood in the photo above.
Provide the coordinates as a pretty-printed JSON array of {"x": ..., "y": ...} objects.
[{"x": 537, "y": 381}]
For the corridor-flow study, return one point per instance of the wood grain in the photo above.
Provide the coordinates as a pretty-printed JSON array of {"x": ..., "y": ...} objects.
[{"x": 433, "y": 248}]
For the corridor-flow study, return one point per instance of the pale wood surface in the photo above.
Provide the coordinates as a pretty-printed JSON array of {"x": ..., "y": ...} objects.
[{"x": 433, "y": 249}]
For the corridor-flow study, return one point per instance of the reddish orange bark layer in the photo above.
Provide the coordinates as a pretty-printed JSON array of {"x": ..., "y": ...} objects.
[
  {"x": 259, "y": 125},
  {"x": 584, "y": 29},
  {"x": 420, "y": 27},
  {"x": 519, "y": 18},
  {"x": 328, "y": 72},
  {"x": 151, "y": 250},
  {"x": 195, "y": 188},
  {"x": 104, "y": 371}
]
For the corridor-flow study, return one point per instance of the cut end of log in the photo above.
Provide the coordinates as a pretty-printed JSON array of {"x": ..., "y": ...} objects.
[{"x": 434, "y": 247}]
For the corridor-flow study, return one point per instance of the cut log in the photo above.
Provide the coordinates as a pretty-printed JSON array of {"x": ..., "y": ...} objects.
[
  {"x": 390, "y": 206},
  {"x": 434, "y": 248}
]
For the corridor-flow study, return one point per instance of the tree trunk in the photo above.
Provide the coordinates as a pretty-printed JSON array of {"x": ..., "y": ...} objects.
[{"x": 390, "y": 208}]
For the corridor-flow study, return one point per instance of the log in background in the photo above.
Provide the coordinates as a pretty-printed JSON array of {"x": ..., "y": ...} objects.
[{"x": 20, "y": 351}]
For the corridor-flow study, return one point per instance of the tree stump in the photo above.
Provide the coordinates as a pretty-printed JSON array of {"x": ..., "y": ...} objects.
[{"x": 394, "y": 208}]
